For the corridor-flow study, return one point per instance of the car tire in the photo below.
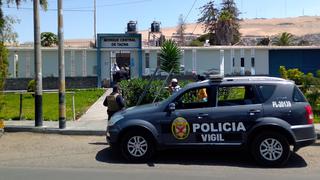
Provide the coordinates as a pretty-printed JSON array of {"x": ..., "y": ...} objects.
[
  {"x": 137, "y": 146},
  {"x": 270, "y": 149}
]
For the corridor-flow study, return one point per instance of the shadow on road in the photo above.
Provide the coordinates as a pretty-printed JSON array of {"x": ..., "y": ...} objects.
[
  {"x": 316, "y": 143},
  {"x": 198, "y": 157}
]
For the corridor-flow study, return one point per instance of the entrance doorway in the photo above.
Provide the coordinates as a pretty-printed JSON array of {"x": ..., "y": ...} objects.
[
  {"x": 123, "y": 62},
  {"x": 123, "y": 59}
]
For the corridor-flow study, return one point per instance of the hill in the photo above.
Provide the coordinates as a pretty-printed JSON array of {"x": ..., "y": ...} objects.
[{"x": 299, "y": 26}]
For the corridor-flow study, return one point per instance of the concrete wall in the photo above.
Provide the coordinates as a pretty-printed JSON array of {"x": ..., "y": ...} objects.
[
  {"x": 52, "y": 83},
  {"x": 78, "y": 62},
  {"x": 82, "y": 62},
  {"x": 200, "y": 60}
]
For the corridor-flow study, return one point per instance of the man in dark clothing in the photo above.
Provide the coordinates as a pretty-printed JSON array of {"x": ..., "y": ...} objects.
[
  {"x": 114, "y": 101},
  {"x": 123, "y": 74}
]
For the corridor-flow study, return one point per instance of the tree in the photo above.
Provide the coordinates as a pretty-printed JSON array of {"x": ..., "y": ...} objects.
[
  {"x": 169, "y": 56},
  {"x": 304, "y": 43},
  {"x": 209, "y": 18},
  {"x": 8, "y": 34},
  {"x": 231, "y": 7},
  {"x": 227, "y": 31},
  {"x": 264, "y": 42},
  {"x": 181, "y": 30},
  {"x": 5, "y": 28},
  {"x": 48, "y": 39},
  {"x": 284, "y": 39},
  {"x": 3, "y": 69},
  {"x": 224, "y": 32}
]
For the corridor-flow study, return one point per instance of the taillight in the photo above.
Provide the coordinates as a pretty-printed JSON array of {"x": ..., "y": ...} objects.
[{"x": 309, "y": 114}]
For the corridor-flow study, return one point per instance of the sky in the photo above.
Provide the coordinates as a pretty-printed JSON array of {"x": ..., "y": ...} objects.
[{"x": 112, "y": 15}]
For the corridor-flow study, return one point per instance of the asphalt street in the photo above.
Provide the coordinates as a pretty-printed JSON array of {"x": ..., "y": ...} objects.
[{"x": 30, "y": 156}]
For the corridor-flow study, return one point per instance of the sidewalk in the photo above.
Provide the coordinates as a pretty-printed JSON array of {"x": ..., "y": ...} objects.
[{"x": 93, "y": 122}]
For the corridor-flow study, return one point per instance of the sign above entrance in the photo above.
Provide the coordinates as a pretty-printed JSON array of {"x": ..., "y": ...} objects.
[{"x": 120, "y": 41}]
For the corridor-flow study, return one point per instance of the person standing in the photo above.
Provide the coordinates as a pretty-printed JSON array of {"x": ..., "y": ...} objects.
[
  {"x": 126, "y": 67},
  {"x": 123, "y": 74},
  {"x": 115, "y": 70},
  {"x": 174, "y": 86},
  {"x": 114, "y": 102}
]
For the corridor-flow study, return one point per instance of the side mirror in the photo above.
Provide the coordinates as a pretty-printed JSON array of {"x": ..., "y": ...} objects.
[{"x": 172, "y": 107}]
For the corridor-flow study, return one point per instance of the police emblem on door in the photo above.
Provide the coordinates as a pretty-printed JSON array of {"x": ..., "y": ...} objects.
[{"x": 180, "y": 128}]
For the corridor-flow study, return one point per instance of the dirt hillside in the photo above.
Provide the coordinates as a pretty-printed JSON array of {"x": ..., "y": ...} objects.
[{"x": 298, "y": 26}]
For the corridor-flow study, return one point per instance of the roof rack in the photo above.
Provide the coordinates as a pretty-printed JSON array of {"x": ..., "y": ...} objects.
[
  {"x": 254, "y": 78},
  {"x": 215, "y": 77}
]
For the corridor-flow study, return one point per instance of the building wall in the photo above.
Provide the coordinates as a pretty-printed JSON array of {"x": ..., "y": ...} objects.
[
  {"x": 52, "y": 83},
  {"x": 306, "y": 60},
  {"x": 200, "y": 60},
  {"x": 78, "y": 62},
  {"x": 82, "y": 62}
]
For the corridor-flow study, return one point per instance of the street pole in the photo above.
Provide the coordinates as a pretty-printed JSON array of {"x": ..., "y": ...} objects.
[
  {"x": 62, "y": 84},
  {"x": 37, "y": 65},
  {"x": 95, "y": 23}
]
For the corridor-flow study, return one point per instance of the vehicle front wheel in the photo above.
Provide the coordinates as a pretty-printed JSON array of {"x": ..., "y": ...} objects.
[
  {"x": 137, "y": 146},
  {"x": 270, "y": 149}
]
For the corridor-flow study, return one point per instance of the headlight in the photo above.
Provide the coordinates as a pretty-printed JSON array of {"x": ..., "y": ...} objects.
[{"x": 114, "y": 119}]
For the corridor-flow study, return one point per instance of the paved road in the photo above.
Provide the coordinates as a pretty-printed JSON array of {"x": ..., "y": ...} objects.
[{"x": 40, "y": 156}]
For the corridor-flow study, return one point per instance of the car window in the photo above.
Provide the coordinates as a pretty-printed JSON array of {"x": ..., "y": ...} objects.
[
  {"x": 266, "y": 91},
  {"x": 194, "y": 98},
  {"x": 236, "y": 95},
  {"x": 297, "y": 95}
]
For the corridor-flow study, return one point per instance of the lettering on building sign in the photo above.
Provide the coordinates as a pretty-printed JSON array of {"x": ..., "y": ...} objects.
[
  {"x": 281, "y": 104},
  {"x": 213, "y": 132},
  {"x": 120, "y": 42}
]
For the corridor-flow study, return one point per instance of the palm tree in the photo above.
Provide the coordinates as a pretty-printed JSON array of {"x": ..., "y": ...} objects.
[
  {"x": 48, "y": 39},
  {"x": 170, "y": 55},
  {"x": 225, "y": 26},
  {"x": 3, "y": 23},
  {"x": 284, "y": 39}
]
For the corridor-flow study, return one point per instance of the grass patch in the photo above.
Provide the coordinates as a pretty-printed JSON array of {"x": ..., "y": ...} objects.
[
  {"x": 83, "y": 100},
  {"x": 316, "y": 118}
]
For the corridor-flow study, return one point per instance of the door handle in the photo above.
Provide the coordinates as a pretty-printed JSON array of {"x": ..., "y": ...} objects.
[
  {"x": 253, "y": 112},
  {"x": 202, "y": 115}
]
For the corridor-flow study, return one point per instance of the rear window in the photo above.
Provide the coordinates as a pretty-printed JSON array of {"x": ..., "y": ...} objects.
[
  {"x": 236, "y": 95},
  {"x": 266, "y": 91},
  {"x": 297, "y": 95}
]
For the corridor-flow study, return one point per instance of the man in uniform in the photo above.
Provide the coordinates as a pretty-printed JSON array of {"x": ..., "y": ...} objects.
[{"x": 114, "y": 101}]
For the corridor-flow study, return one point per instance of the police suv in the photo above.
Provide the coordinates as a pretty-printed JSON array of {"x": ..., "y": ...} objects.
[{"x": 265, "y": 115}]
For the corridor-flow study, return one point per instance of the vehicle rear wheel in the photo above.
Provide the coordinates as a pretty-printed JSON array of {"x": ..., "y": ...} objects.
[
  {"x": 270, "y": 149},
  {"x": 137, "y": 146}
]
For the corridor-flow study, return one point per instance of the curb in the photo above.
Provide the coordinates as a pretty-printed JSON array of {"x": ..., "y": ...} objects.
[
  {"x": 84, "y": 132},
  {"x": 47, "y": 130}
]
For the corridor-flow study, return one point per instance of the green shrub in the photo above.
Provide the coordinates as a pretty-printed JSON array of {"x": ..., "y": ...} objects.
[
  {"x": 283, "y": 72},
  {"x": 133, "y": 89},
  {"x": 3, "y": 70},
  {"x": 31, "y": 86},
  {"x": 309, "y": 85},
  {"x": 196, "y": 43}
]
